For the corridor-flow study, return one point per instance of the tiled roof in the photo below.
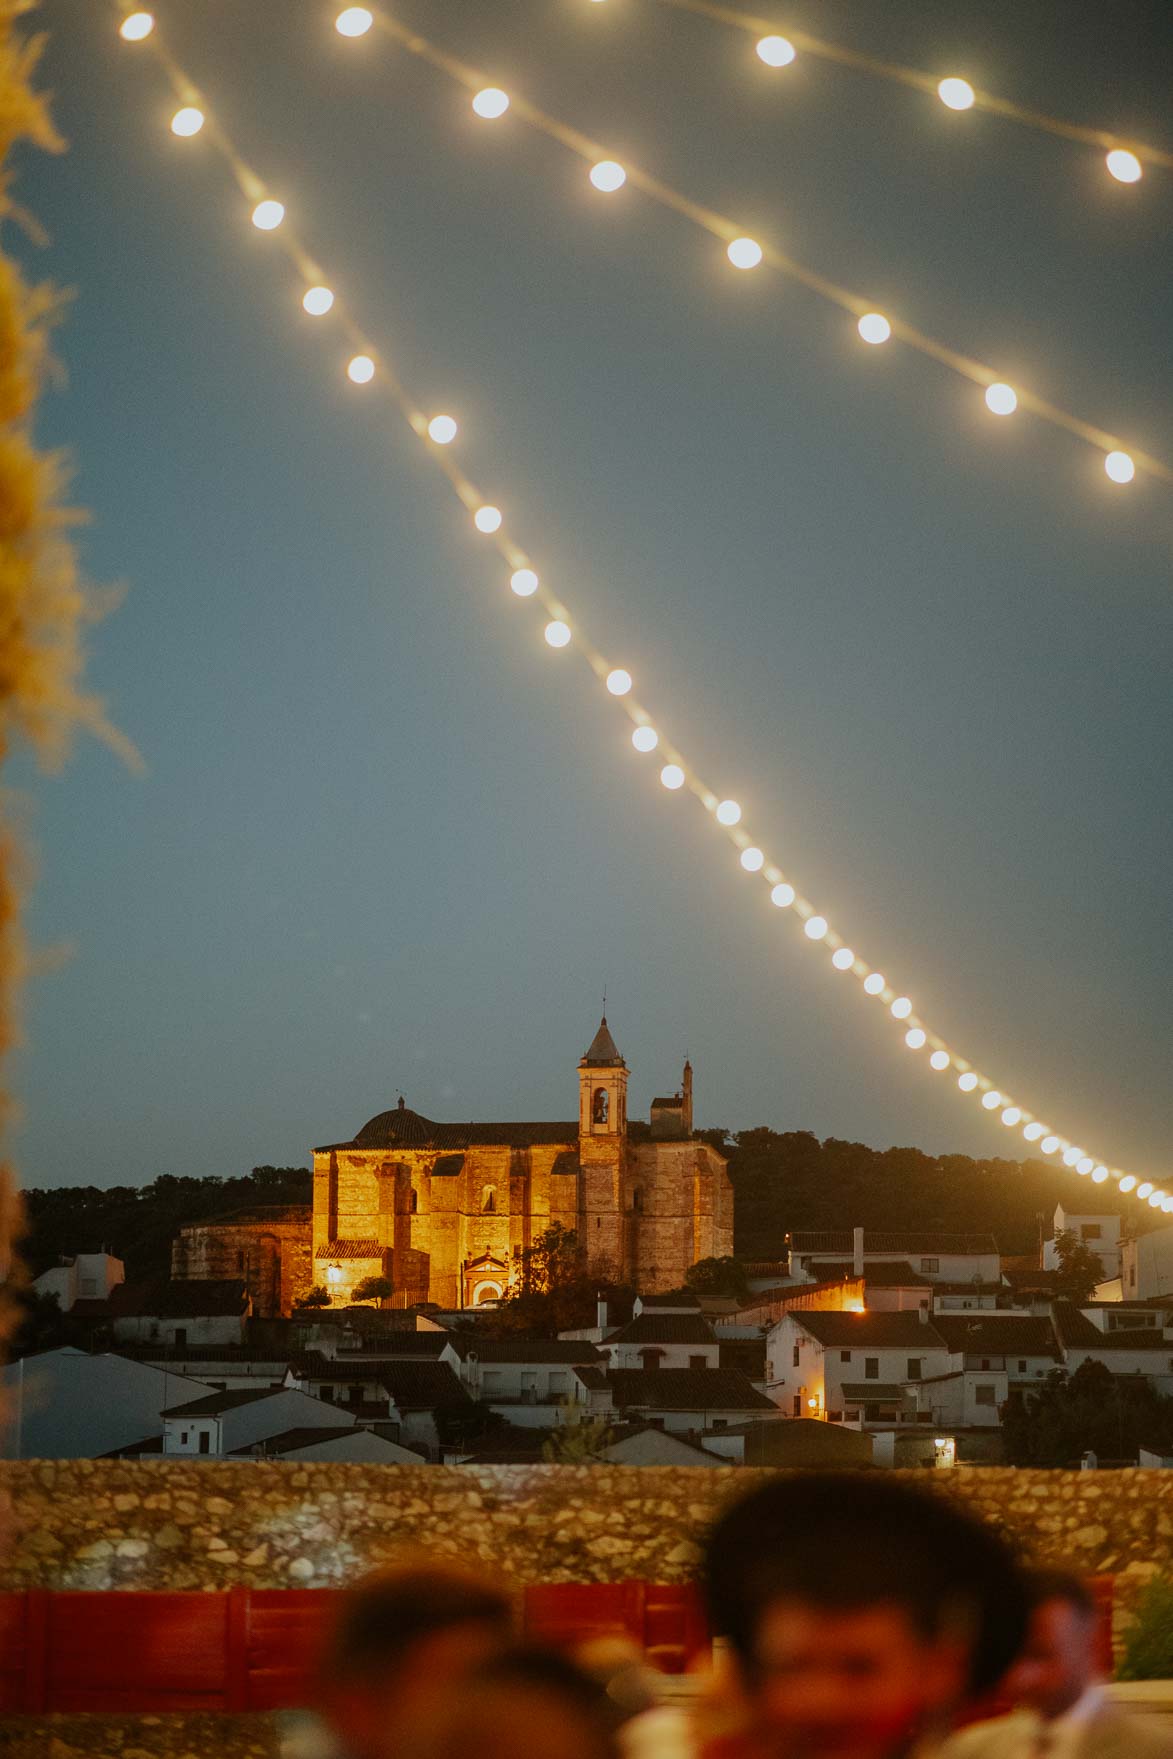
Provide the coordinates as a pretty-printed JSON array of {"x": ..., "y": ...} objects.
[
  {"x": 674, "y": 1299},
  {"x": 413, "y": 1346},
  {"x": 422, "y": 1386},
  {"x": 898, "y": 1275},
  {"x": 1078, "y": 1332},
  {"x": 996, "y": 1334},
  {"x": 213, "y": 1403},
  {"x": 671, "y": 1103},
  {"x": 665, "y": 1328},
  {"x": 915, "y": 1244},
  {"x": 868, "y": 1390},
  {"x": 403, "y": 1128},
  {"x": 604, "y": 1052},
  {"x": 185, "y": 1298},
  {"x": 289, "y": 1439},
  {"x": 897, "y": 1331},
  {"x": 686, "y": 1389},
  {"x": 537, "y": 1350},
  {"x": 594, "y": 1379},
  {"x": 339, "y": 1249}
]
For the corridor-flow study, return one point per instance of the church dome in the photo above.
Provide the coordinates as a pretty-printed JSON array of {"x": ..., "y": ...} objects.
[{"x": 401, "y": 1128}]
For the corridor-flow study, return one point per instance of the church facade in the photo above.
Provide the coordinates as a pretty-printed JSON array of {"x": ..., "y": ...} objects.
[{"x": 445, "y": 1210}]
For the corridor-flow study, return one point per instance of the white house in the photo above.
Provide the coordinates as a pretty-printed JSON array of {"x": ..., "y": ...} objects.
[
  {"x": 941, "y": 1258},
  {"x": 1099, "y": 1231},
  {"x": 221, "y": 1370},
  {"x": 185, "y": 1313},
  {"x": 68, "y": 1405},
  {"x": 88, "y": 1277},
  {"x": 1024, "y": 1346},
  {"x": 225, "y": 1423},
  {"x": 1146, "y": 1265},
  {"x": 643, "y": 1444},
  {"x": 523, "y": 1372},
  {"x": 663, "y": 1340},
  {"x": 688, "y": 1400},
  {"x": 830, "y": 1363},
  {"x": 1095, "y": 1334},
  {"x": 425, "y": 1401}
]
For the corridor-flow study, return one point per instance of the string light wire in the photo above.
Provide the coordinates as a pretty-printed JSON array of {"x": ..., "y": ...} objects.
[{"x": 562, "y": 630}]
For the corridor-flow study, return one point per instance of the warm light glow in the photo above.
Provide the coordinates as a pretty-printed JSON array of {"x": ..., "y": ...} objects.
[
  {"x": 442, "y": 429},
  {"x": 645, "y": 739},
  {"x": 776, "y": 51},
  {"x": 267, "y": 215},
  {"x": 1011, "y": 1116},
  {"x": 1032, "y": 1132},
  {"x": 939, "y": 1060},
  {"x": 619, "y": 682},
  {"x": 487, "y": 519},
  {"x": 843, "y": 958},
  {"x": 1120, "y": 467},
  {"x": 956, "y": 94},
  {"x": 1084, "y": 1165},
  {"x": 1127, "y": 1183},
  {"x": 491, "y": 103},
  {"x": 672, "y": 775},
  {"x": 557, "y": 633},
  {"x": 334, "y": 1274},
  {"x": 752, "y": 860},
  {"x": 815, "y": 927},
  {"x": 608, "y": 175},
  {"x": 874, "y": 327},
  {"x": 1049, "y": 1144},
  {"x": 354, "y": 21},
  {"x": 1071, "y": 1155},
  {"x": 1156, "y": 1200},
  {"x": 991, "y": 1099},
  {"x": 525, "y": 583},
  {"x": 782, "y": 895},
  {"x": 1142, "y": 1191},
  {"x": 728, "y": 812},
  {"x": 873, "y": 983},
  {"x": 914, "y": 1038},
  {"x": 812, "y": 1404},
  {"x": 901, "y": 1008},
  {"x": 361, "y": 370},
  {"x": 187, "y": 121},
  {"x": 967, "y": 1082},
  {"x": 1124, "y": 166},
  {"x": 317, "y": 301},
  {"x": 1001, "y": 399},
  {"x": 1100, "y": 1174},
  {"x": 744, "y": 253},
  {"x": 137, "y": 26}
]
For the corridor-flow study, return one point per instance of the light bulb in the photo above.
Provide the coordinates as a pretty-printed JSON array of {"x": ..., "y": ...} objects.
[
  {"x": 815, "y": 927},
  {"x": 1049, "y": 1144},
  {"x": 608, "y": 175},
  {"x": 267, "y": 215},
  {"x": 843, "y": 958},
  {"x": 1001, "y": 399},
  {"x": 1084, "y": 1165},
  {"x": 991, "y": 1099},
  {"x": 353, "y": 21},
  {"x": 1156, "y": 1200},
  {"x": 442, "y": 429},
  {"x": 901, "y": 1008},
  {"x": 914, "y": 1038},
  {"x": 645, "y": 739},
  {"x": 776, "y": 51},
  {"x": 136, "y": 26},
  {"x": 1011, "y": 1116},
  {"x": 956, "y": 94},
  {"x": 1099, "y": 1175},
  {"x": 967, "y": 1082},
  {"x": 1120, "y": 467},
  {"x": 557, "y": 633},
  {"x": 491, "y": 103},
  {"x": 752, "y": 860},
  {"x": 874, "y": 327},
  {"x": 619, "y": 682},
  {"x": 782, "y": 895},
  {"x": 672, "y": 775},
  {"x": 1032, "y": 1132},
  {"x": 1142, "y": 1191},
  {"x": 317, "y": 301},
  {"x": 1124, "y": 166},
  {"x": 873, "y": 983},
  {"x": 939, "y": 1060},
  {"x": 728, "y": 812},
  {"x": 187, "y": 121},
  {"x": 744, "y": 253},
  {"x": 487, "y": 519},
  {"x": 361, "y": 370},
  {"x": 1071, "y": 1155},
  {"x": 1127, "y": 1183},
  {"x": 524, "y": 582}
]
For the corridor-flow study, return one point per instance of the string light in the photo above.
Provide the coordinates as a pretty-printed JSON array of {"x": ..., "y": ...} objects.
[
  {"x": 1143, "y": 1191},
  {"x": 728, "y": 812},
  {"x": 1127, "y": 1184},
  {"x": 608, "y": 175},
  {"x": 354, "y": 21},
  {"x": 874, "y": 327},
  {"x": 776, "y": 51},
  {"x": 442, "y": 429},
  {"x": 619, "y": 681},
  {"x": 187, "y": 121},
  {"x": 491, "y": 103},
  {"x": 1124, "y": 166},
  {"x": 744, "y": 253},
  {"x": 645, "y": 738},
  {"x": 956, "y": 94},
  {"x": 1011, "y": 1116},
  {"x": 317, "y": 301},
  {"x": 268, "y": 215},
  {"x": 135, "y": 26},
  {"x": 1120, "y": 467},
  {"x": 1001, "y": 399}
]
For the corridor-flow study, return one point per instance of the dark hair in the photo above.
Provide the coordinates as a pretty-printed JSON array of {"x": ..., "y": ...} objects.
[
  {"x": 383, "y": 1617},
  {"x": 841, "y": 1541},
  {"x": 546, "y": 1670},
  {"x": 1046, "y": 1585}
]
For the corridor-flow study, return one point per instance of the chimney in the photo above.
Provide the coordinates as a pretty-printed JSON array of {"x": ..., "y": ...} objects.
[
  {"x": 601, "y": 1313},
  {"x": 924, "y": 1313},
  {"x": 857, "y": 1252}
]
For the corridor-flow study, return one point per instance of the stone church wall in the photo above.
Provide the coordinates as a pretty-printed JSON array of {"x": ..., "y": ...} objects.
[{"x": 269, "y": 1248}]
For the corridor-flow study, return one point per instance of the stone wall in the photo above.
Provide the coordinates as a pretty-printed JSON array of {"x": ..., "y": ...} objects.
[{"x": 186, "y": 1524}]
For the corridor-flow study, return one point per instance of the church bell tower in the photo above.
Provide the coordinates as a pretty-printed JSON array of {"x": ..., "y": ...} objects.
[{"x": 602, "y": 1150}]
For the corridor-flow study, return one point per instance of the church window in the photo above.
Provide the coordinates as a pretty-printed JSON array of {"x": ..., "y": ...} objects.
[
  {"x": 489, "y": 1200},
  {"x": 601, "y": 1106},
  {"x": 415, "y": 1200}
]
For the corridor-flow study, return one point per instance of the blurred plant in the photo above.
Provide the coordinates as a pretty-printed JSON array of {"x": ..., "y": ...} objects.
[{"x": 1148, "y": 1641}]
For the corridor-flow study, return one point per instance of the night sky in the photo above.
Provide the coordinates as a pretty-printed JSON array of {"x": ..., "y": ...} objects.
[{"x": 387, "y": 840}]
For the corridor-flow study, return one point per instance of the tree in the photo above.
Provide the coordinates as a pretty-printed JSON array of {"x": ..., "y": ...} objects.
[
  {"x": 1112, "y": 1414},
  {"x": 315, "y": 1297},
  {"x": 373, "y": 1288},
  {"x": 1080, "y": 1269},
  {"x": 574, "y": 1442},
  {"x": 720, "y": 1279},
  {"x": 557, "y": 1290}
]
